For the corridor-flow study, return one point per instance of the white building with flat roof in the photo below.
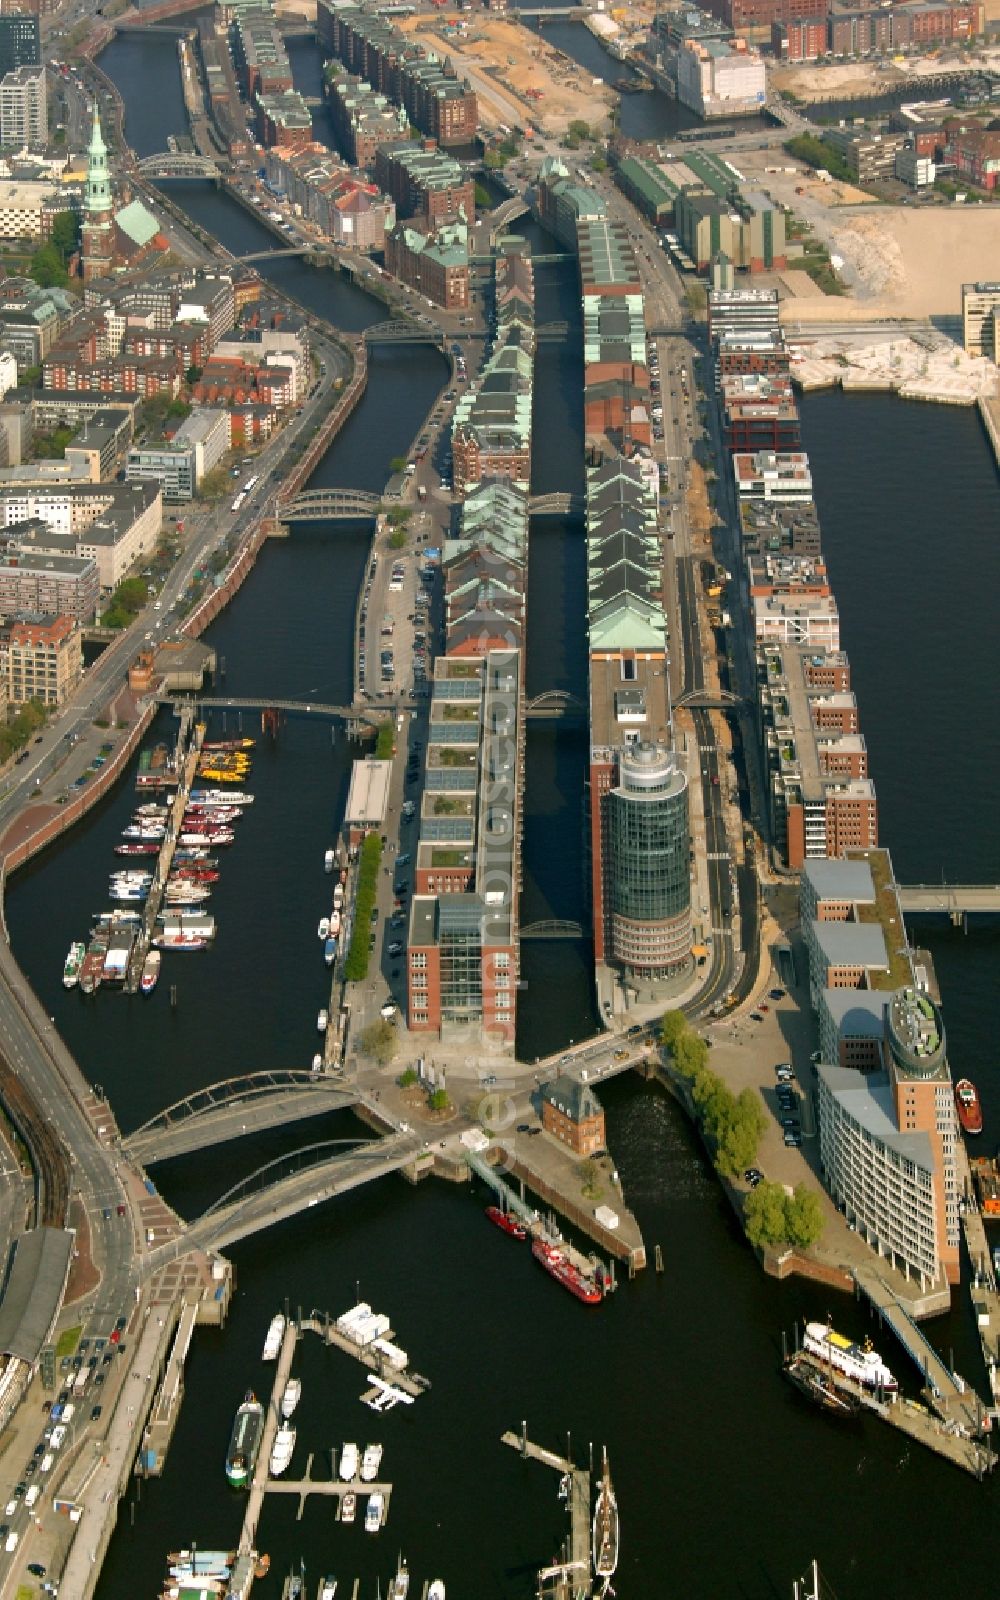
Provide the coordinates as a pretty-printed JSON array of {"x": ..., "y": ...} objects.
[{"x": 367, "y": 798}]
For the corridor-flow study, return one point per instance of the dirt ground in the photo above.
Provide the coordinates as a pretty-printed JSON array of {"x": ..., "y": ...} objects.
[
  {"x": 864, "y": 78},
  {"x": 522, "y": 62}
]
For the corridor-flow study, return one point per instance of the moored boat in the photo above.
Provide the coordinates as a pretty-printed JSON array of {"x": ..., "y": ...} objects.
[
  {"x": 370, "y": 1462},
  {"x": 137, "y": 848},
  {"x": 373, "y": 1512},
  {"x": 92, "y": 966},
  {"x": 349, "y": 1507},
  {"x": 73, "y": 963},
  {"x": 281, "y": 1450},
  {"x": 816, "y": 1382},
  {"x": 150, "y": 972},
  {"x": 244, "y": 1444},
  {"x": 436, "y": 1590},
  {"x": 860, "y": 1362},
  {"x": 275, "y": 1334},
  {"x": 558, "y": 1265},
  {"x": 508, "y": 1224},
  {"x": 328, "y": 861},
  {"x": 327, "y": 1588},
  {"x": 605, "y": 1531},
  {"x": 324, "y": 928},
  {"x": 349, "y": 1463},
  {"x": 291, "y": 1397},
  {"x": 399, "y": 1588},
  {"x": 323, "y": 1021},
  {"x": 179, "y": 939},
  {"x": 970, "y": 1112},
  {"x": 334, "y": 924},
  {"x": 330, "y": 952}
]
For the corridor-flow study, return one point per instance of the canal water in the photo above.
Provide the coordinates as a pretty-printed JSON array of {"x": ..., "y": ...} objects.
[{"x": 728, "y": 1485}]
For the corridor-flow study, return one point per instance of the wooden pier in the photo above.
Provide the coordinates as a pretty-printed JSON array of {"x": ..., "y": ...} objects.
[
  {"x": 411, "y": 1383},
  {"x": 334, "y": 1488},
  {"x": 272, "y": 1416},
  {"x": 186, "y": 765},
  {"x": 569, "y": 1578}
]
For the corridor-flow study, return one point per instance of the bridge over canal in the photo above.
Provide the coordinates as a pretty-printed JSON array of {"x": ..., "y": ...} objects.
[
  {"x": 234, "y": 1108},
  {"x": 371, "y": 715}
]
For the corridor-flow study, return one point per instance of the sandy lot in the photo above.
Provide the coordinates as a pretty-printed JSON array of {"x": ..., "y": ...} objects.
[
  {"x": 855, "y": 77},
  {"x": 911, "y": 263},
  {"x": 508, "y": 65}
]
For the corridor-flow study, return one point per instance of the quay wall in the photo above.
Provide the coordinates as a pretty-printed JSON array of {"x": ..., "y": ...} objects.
[
  {"x": 989, "y": 410},
  {"x": 579, "y": 1216}
]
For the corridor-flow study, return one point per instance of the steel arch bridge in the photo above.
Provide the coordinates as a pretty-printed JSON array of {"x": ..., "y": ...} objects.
[
  {"x": 398, "y": 331},
  {"x": 288, "y": 1165},
  {"x": 248, "y": 1090},
  {"x": 173, "y": 164},
  {"x": 708, "y": 700},
  {"x": 555, "y": 703},
  {"x": 319, "y": 505},
  {"x": 551, "y": 928}
]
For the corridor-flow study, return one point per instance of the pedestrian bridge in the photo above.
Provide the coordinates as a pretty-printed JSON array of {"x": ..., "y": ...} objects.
[
  {"x": 174, "y": 164},
  {"x": 555, "y": 705},
  {"x": 557, "y": 505},
  {"x": 234, "y": 1108},
  {"x": 293, "y": 1183},
  {"x": 707, "y": 700},
  {"x": 352, "y": 713},
  {"x": 281, "y": 251},
  {"x": 955, "y": 900}
]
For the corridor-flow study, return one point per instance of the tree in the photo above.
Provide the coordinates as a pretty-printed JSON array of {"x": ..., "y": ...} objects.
[
  {"x": 803, "y": 1216},
  {"x": 690, "y": 1055},
  {"x": 764, "y": 1215},
  {"x": 397, "y": 464},
  {"x": 483, "y": 200},
  {"x": 46, "y": 267},
  {"x": 192, "y": 374},
  {"x": 598, "y": 164},
  {"x": 739, "y": 1137},
  {"x": 397, "y": 539},
  {"x": 579, "y": 129},
  {"x": 673, "y": 1026},
  {"x": 379, "y": 1040},
  {"x": 407, "y": 1079},
  {"x": 66, "y": 234},
  {"x": 440, "y": 1101},
  {"x": 214, "y": 484}
]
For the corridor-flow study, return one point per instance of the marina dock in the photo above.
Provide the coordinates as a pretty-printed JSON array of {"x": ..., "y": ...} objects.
[
  {"x": 335, "y": 1488},
  {"x": 411, "y": 1383},
  {"x": 272, "y": 1416},
  {"x": 186, "y": 765},
  {"x": 571, "y": 1576}
]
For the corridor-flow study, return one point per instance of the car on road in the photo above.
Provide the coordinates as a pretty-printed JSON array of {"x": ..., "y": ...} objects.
[
  {"x": 621, "y": 1055},
  {"x": 755, "y": 1016},
  {"x": 95, "y": 1413},
  {"x": 395, "y": 949},
  {"x": 116, "y": 1335},
  {"x": 524, "y": 1127},
  {"x": 793, "y": 1138},
  {"x": 777, "y": 994},
  {"x": 36, "y": 1569}
]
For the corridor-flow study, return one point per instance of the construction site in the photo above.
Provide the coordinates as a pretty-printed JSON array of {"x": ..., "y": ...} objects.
[{"x": 519, "y": 79}]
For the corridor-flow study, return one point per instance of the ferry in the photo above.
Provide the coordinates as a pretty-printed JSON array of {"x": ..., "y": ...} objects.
[
  {"x": 559, "y": 1266},
  {"x": 370, "y": 1462},
  {"x": 349, "y": 1463},
  {"x": 349, "y": 1507},
  {"x": 605, "y": 1532},
  {"x": 330, "y": 952},
  {"x": 970, "y": 1112},
  {"x": 291, "y": 1397},
  {"x": 373, "y": 1512},
  {"x": 856, "y": 1361},
  {"x": 150, "y": 972},
  {"x": 508, "y": 1224},
  {"x": 275, "y": 1334},
  {"x": 73, "y": 963},
  {"x": 245, "y": 1442},
  {"x": 281, "y": 1450},
  {"x": 399, "y": 1588},
  {"x": 328, "y": 860}
]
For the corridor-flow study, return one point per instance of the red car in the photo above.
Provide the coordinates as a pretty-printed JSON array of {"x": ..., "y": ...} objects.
[{"x": 116, "y": 1337}]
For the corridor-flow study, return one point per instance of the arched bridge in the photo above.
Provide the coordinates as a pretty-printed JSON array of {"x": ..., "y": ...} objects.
[
  {"x": 557, "y": 505},
  {"x": 292, "y": 1183},
  {"x": 284, "y": 250},
  {"x": 551, "y": 928},
  {"x": 235, "y": 1107},
  {"x": 707, "y": 700},
  {"x": 556, "y": 704},
  {"x": 400, "y": 332},
  {"x": 328, "y": 505},
  {"x": 173, "y": 164},
  {"x": 506, "y": 212}
]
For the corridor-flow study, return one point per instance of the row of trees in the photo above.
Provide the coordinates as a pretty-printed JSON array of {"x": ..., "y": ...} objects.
[
  {"x": 356, "y": 965},
  {"x": 128, "y": 599},
  {"x": 14, "y": 735},
  {"x": 734, "y": 1125},
  {"x": 733, "y": 1122}
]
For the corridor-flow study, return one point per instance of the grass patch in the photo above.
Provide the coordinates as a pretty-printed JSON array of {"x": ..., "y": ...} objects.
[{"x": 68, "y": 1341}]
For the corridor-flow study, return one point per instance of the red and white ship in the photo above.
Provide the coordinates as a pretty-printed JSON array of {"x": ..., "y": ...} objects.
[
  {"x": 970, "y": 1112},
  {"x": 560, "y": 1267},
  {"x": 508, "y": 1224}
]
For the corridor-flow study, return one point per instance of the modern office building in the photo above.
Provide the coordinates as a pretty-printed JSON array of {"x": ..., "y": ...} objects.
[
  {"x": 24, "y": 120},
  {"x": 20, "y": 41},
  {"x": 981, "y": 319},
  {"x": 647, "y": 868}
]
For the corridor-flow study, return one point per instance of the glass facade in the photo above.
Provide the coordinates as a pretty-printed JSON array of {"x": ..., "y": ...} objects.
[
  {"x": 648, "y": 860},
  {"x": 460, "y": 936}
]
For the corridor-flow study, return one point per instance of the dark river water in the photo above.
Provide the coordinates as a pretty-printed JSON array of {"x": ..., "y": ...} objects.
[{"x": 728, "y": 1485}]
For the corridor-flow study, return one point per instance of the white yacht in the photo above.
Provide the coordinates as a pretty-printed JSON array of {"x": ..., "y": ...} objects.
[
  {"x": 436, "y": 1590},
  {"x": 275, "y": 1334},
  {"x": 349, "y": 1463},
  {"x": 291, "y": 1397},
  {"x": 370, "y": 1462},
  {"x": 399, "y": 1588},
  {"x": 327, "y": 1589},
  {"x": 373, "y": 1513},
  {"x": 281, "y": 1450}
]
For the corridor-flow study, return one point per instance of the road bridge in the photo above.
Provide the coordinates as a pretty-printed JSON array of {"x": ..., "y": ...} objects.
[
  {"x": 551, "y": 928},
  {"x": 176, "y": 164},
  {"x": 283, "y": 250},
  {"x": 557, "y": 505},
  {"x": 329, "y": 505},
  {"x": 955, "y": 900},
  {"x": 398, "y": 331},
  {"x": 291, "y": 1184},
  {"x": 555, "y": 705},
  {"x": 233, "y": 1108}
]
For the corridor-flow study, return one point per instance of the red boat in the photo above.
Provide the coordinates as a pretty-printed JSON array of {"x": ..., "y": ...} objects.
[
  {"x": 151, "y": 849},
  {"x": 507, "y": 1223},
  {"x": 560, "y": 1267},
  {"x": 970, "y": 1112}
]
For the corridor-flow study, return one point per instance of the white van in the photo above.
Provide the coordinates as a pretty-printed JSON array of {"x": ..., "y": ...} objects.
[
  {"x": 46, "y": 1463},
  {"x": 58, "y": 1435},
  {"x": 12, "y": 1539},
  {"x": 31, "y": 1498}
]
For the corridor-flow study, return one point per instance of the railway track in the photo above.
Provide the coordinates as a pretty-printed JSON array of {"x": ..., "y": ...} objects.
[{"x": 47, "y": 1153}]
